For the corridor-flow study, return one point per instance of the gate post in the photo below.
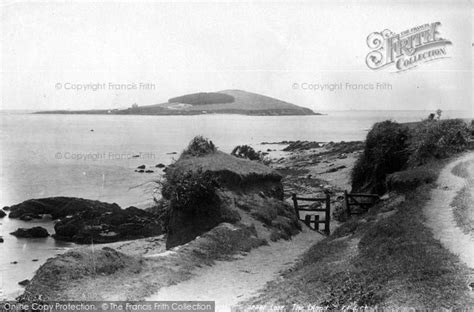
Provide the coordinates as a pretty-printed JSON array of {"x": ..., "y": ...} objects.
[
  {"x": 328, "y": 214},
  {"x": 295, "y": 204},
  {"x": 346, "y": 202}
]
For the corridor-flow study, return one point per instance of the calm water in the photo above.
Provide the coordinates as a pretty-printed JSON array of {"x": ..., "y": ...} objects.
[{"x": 52, "y": 155}]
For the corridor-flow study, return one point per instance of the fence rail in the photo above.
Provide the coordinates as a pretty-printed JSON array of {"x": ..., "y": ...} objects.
[
  {"x": 354, "y": 199},
  {"x": 314, "y": 219}
]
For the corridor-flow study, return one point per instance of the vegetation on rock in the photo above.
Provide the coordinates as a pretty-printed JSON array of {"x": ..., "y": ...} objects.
[
  {"x": 245, "y": 151},
  {"x": 199, "y": 146},
  {"x": 385, "y": 152},
  {"x": 203, "y": 98},
  {"x": 392, "y": 147}
]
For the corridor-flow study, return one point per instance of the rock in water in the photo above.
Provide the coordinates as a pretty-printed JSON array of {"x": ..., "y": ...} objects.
[
  {"x": 2, "y": 214},
  {"x": 100, "y": 227},
  {"x": 33, "y": 232},
  {"x": 59, "y": 207},
  {"x": 24, "y": 282},
  {"x": 85, "y": 221}
]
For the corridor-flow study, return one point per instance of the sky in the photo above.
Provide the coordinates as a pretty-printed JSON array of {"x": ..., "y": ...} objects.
[{"x": 147, "y": 52}]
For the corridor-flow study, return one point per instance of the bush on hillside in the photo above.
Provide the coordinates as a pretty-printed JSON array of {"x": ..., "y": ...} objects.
[
  {"x": 434, "y": 139},
  {"x": 245, "y": 151},
  {"x": 385, "y": 152},
  {"x": 410, "y": 179},
  {"x": 203, "y": 98},
  {"x": 199, "y": 146}
]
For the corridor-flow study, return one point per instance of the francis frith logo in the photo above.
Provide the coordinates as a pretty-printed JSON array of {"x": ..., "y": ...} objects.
[{"x": 407, "y": 49}]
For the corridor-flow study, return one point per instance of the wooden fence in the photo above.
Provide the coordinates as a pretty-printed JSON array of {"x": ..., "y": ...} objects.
[
  {"x": 363, "y": 201},
  {"x": 312, "y": 218}
]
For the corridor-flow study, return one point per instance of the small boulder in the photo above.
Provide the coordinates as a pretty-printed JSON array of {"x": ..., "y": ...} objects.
[
  {"x": 14, "y": 262},
  {"x": 141, "y": 167},
  {"x": 149, "y": 171},
  {"x": 33, "y": 232},
  {"x": 6, "y": 208},
  {"x": 2, "y": 214},
  {"x": 24, "y": 282},
  {"x": 160, "y": 166},
  {"x": 1, "y": 240}
]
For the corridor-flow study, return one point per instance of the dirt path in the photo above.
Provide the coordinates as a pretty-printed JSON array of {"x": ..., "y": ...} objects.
[
  {"x": 439, "y": 212},
  {"x": 229, "y": 282}
]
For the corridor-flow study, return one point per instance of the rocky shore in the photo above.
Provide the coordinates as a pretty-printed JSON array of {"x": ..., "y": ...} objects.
[{"x": 86, "y": 221}]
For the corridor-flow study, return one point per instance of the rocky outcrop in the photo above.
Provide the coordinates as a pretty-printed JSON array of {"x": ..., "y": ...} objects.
[
  {"x": 59, "y": 207},
  {"x": 84, "y": 221},
  {"x": 185, "y": 225},
  {"x": 301, "y": 145},
  {"x": 245, "y": 188},
  {"x": 34, "y": 232},
  {"x": 109, "y": 226}
]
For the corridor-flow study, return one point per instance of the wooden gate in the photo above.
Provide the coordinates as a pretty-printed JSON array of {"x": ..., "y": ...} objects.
[
  {"x": 363, "y": 201},
  {"x": 314, "y": 218}
]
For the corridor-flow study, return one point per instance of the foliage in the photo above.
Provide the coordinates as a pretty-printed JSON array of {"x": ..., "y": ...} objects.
[
  {"x": 385, "y": 152},
  {"x": 437, "y": 139},
  {"x": 406, "y": 180},
  {"x": 199, "y": 146},
  {"x": 340, "y": 213},
  {"x": 203, "y": 98},
  {"x": 186, "y": 190},
  {"x": 245, "y": 151}
]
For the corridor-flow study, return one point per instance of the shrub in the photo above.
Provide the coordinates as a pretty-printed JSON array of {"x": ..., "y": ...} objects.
[
  {"x": 203, "y": 98},
  {"x": 199, "y": 146},
  {"x": 245, "y": 151},
  {"x": 410, "y": 179},
  {"x": 187, "y": 190},
  {"x": 434, "y": 139},
  {"x": 385, "y": 152},
  {"x": 340, "y": 212}
]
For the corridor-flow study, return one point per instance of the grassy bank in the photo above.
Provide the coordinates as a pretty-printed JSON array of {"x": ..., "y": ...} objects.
[
  {"x": 386, "y": 258},
  {"x": 464, "y": 201}
]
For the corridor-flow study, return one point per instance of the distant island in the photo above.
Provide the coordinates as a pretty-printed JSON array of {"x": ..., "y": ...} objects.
[{"x": 222, "y": 102}]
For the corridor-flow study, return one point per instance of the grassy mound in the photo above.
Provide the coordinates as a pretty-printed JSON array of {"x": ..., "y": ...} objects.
[
  {"x": 391, "y": 147},
  {"x": 204, "y": 185},
  {"x": 385, "y": 152},
  {"x": 407, "y": 180},
  {"x": 436, "y": 139},
  {"x": 72, "y": 266}
]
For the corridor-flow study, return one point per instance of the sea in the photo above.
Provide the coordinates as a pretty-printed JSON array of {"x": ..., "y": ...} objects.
[{"x": 95, "y": 157}]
